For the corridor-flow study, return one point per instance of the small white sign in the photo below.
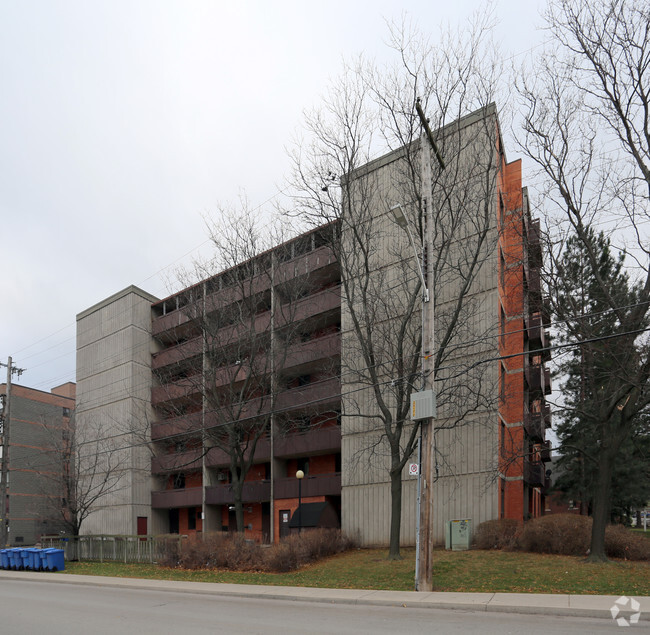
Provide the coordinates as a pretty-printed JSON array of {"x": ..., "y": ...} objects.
[{"x": 414, "y": 469}]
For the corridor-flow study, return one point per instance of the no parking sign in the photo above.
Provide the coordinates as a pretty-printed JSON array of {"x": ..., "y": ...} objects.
[{"x": 414, "y": 469}]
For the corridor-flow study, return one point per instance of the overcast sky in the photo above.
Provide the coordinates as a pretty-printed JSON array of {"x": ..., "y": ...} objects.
[{"x": 122, "y": 124}]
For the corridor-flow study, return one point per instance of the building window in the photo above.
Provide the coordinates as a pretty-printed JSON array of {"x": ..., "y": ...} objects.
[{"x": 179, "y": 481}]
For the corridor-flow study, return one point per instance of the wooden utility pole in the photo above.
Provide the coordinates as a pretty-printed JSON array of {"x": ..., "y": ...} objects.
[
  {"x": 4, "y": 472},
  {"x": 425, "y": 539}
]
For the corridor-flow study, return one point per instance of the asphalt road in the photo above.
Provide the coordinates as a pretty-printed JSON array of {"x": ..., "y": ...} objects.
[{"x": 28, "y": 607}]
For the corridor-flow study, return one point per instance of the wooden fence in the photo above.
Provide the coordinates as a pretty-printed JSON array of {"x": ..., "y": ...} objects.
[{"x": 111, "y": 548}]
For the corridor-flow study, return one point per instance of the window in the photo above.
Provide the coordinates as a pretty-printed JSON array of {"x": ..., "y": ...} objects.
[{"x": 179, "y": 481}]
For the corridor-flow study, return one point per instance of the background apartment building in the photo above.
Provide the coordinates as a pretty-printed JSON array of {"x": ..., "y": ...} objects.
[
  {"x": 39, "y": 460},
  {"x": 483, "y": 257},
  {"x": 170, "y": 377}
]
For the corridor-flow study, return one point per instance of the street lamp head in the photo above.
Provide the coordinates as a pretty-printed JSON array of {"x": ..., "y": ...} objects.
[
  {"x": 398, "y": 215},
  {"x": 300, "y": 474}
]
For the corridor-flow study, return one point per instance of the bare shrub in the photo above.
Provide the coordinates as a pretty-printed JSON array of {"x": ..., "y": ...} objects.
[
  {"x": 236, "y": 553},
  {"x": 169, "y": 550},
  {"x": 564, "y": 534},
  {"x": 620, "y": 542},
  {"x": 496, "y": 534}
]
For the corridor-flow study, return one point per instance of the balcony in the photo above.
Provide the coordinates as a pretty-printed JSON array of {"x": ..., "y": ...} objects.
[
  {"x": 534, "y": 425},
  {"x": 253, "y": 492},
  {"x": 180, "y": 352},
  {"x": 325, "y": 440},
  {"x": 260, "y": 491},
  {"x": 545, "y": 452},
  {"x": 184, "y": 424},
  {"x": 316, "y": 485},
  {"x": 176, "y": 462},
  {"x": 170, "y": 498},
  {"x": 179, "y": 389},
  {"x": 534, "y": 244},
  {"x": 548, "y": 417},
  {"x": 312, "y": 262},
  {"x": 534, "y": 473},
  {"x": 536, "y": 333},
  {"x": 548, "y": 388},
  {"x": 538, "y": 379}
]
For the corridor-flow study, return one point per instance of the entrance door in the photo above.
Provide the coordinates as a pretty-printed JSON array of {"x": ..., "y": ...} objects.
[
  {"x": 285, "y": 517},
  {"x": 142, "y": 526},
  {"x": 173, "y": 521}
]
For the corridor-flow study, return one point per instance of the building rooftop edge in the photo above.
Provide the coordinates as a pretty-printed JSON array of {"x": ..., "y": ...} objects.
[
  {"x": 116, "y": 296},
  {"x": 483, "y": 112}
]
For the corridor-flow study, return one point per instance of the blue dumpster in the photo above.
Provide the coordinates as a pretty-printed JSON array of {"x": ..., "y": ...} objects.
[
  {"x": 24, "y": 556},
  {"x": 55, "y": 559},
  {"x": 15, "y": 561},
  {"x": 4, "y": 559},
  {"x": 33, "y": 559}
]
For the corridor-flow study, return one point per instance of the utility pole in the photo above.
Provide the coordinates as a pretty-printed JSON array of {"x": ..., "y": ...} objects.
[
  {"x": 4, "y": 473},
  {"x": 425, "y": 538}
]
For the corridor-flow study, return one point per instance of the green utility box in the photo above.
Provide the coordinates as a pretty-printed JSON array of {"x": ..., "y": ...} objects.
[{"x": 458, "y": 534}]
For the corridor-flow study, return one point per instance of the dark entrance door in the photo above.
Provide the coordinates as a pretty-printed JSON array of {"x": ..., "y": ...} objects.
[
  {"x": 285, "y": 517},
  {"x": 142, "y": 525},
  {"x": 173, "y": 521},
  {"x": 266, "y": 522}
]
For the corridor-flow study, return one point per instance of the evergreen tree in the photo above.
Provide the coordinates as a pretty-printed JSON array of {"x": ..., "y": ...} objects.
[{"x": 593, "y": 371}]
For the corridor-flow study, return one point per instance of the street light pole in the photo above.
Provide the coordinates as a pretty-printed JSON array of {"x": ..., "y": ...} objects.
[{"x": 300, "y": 475}]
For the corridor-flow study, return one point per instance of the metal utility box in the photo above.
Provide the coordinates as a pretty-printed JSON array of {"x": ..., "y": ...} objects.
[
  {"x": 423, "y": 405},
  {"x": 458, "y": 534}
]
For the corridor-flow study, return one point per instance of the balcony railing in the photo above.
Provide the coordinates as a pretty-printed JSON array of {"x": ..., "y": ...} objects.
[
  {"x": 176, "y": 462},
  {"x": 538, "y": 379},
  {"x": 534, "y": 425},
  {"x": 545, "y": 452},
  {"x": 170, "y": 498},
  {"x": 548, "y": 417},
  {"x": 536, "y": 332},
  {"x": 534, "y": 473},
  {"x": 312, "y": 261},
  {"x": 260, "y": 491}
]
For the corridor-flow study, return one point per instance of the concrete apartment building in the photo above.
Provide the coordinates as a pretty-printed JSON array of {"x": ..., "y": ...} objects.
[
  {"x": 39, "y": 431},
  {"x": 142, "y": 365}
]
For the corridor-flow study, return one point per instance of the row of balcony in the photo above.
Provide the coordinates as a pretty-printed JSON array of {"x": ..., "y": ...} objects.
[
  {"x": 326, "y": 301},
  {"x": 321, "y": 395},
  {"x": 299, "y": 356},
  {"x": 253, "y": 492},
  {"x": 311, "y": 262},
  {"x": 324, "y": 440}
]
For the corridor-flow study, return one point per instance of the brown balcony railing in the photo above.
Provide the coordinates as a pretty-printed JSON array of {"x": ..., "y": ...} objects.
[
  {"x": 316, "y": 485},
  {"x": 534, "y": 473},
  {"x": 260, "y": 491},
  {"x": 170, "y": 498},
  {"x": 534, "y": 425}
]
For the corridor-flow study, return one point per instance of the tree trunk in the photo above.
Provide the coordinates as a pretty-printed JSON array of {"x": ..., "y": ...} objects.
[
  {"x": 601, "y": 504},
  {"x": 237, "y": 490},
  {"x": 395, "y": 514}
]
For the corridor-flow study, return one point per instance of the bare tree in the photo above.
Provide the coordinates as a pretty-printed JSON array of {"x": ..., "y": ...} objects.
[
  {"x": 246, "y": 330},
  {"x": 80, "y": 472},
  {"x": 586, "y": 127},
  {"x": 371, "y": 109}
]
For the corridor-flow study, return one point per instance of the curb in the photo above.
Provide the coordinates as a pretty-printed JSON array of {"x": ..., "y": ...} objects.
[{"x": 594, "y": 606}]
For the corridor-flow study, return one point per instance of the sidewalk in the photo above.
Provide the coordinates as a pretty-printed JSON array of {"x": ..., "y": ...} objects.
[{"x": 530, "y": 603}]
